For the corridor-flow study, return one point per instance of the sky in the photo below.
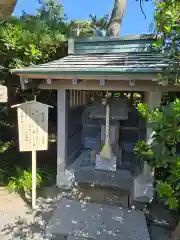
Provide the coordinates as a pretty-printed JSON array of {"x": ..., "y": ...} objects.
[{"x": 134, "y": 21}]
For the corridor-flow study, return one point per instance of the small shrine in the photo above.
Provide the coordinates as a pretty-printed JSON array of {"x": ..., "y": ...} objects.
[{"x": 98, "y": 87}]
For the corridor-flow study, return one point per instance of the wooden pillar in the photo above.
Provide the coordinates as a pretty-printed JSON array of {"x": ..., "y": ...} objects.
[
  {"x": 152, "y": 99},
  {"x": 84, "y": 98},
  {"x": 71, "y": 98},
  {"x": 80, "y": 98},
  {"x": 77, "y": 98},
  {"x": 62, "y": 137},
  {"x": 74, "y": 98}
]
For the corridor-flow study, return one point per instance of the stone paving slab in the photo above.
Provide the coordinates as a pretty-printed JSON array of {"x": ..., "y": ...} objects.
[
  {"x": 96, "y": 221},
  {"x": 70, "y": 237}
]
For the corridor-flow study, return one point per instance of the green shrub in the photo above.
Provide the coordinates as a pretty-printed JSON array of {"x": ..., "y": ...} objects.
[
  {"x": 162, "y": 151},
  {"x": 22, "y": 182}
]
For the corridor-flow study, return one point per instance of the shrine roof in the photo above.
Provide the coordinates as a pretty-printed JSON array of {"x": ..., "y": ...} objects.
[{"x": 103, "y": 55}]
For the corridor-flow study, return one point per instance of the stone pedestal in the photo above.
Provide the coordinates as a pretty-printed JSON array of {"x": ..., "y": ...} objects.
[{"x": 106, "y": 164}]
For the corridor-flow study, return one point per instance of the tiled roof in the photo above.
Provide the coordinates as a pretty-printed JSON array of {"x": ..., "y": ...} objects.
[{"x": 106, "y": 63}]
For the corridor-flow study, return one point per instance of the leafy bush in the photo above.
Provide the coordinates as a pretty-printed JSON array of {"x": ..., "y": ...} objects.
[
  {"x": 161, "y": 152},
  {"x": 4, "y": 146},
  {"x": 143, "y": 152},
  {"x": 22, "y": 182}
]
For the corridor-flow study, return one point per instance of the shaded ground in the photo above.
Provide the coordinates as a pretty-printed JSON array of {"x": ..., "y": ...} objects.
[
  {"x": 11, "y": 207},
  {"x": 32, "y": 225}
]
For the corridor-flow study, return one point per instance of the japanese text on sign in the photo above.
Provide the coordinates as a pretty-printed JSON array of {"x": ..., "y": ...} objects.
[{"x": 33, "y": 127}]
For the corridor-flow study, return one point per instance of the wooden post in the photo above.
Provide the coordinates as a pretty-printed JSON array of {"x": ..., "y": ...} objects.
[
  {"x": 80, "y": 98},
  {"x": 77, "y": 98},
  {"x": 34, "y": 179},
  {"x": 71, "y": 98},
  {"x": 74, "y": 99},
  {"x": 84, "y": 98}
]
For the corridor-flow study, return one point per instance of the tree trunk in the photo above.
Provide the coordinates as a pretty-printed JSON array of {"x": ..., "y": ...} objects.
[
  {"x": 176, "y": 233},
  {"x": 6, "y": 8},
  {"x": 113, "y": 28}
]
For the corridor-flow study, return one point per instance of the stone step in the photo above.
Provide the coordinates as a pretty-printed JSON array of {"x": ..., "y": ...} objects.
[
  {"x": 97, "y": 222},
  {"x": 89, "y": 193},
  {"x": 121, "y": 179},
  {"x": 100, "y": 195}
]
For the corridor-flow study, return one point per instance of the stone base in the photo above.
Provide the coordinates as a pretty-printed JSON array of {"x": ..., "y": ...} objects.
[
  {"x": 64, "y": 180},
  {"x": 106, "y": 164},
  {"x": 143, "y": 190}
]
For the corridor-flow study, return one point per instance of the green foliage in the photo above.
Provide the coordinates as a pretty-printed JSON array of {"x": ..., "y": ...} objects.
[
  {"x": 22, "y": 182},
  {"x": 4, "y": 146},
  {"x": 143, "y": 110},
  {"x": 166, "y": 191},
  {"x": 143, "y": 151},
  {"x": 161, "y": 152},
  {"x": 167, "y": 19},
  {"x": 34, "y": 39},
  {"x": 170, "y": 189}
]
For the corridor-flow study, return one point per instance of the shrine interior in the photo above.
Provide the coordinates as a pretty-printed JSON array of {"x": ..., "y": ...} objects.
[{"x": 87, "y": 128}]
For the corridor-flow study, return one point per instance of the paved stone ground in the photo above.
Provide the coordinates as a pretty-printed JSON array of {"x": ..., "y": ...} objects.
[
  {"x": 26, "y": 227},
  {"x": 98, "y": 221}
]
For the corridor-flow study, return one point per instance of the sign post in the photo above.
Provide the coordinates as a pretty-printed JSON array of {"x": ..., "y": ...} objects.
[
  {"x": 33, "y": 133},
  {"x": 34, "y": 179}
]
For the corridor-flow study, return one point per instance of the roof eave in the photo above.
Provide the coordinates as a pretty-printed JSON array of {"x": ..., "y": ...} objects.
[
  {"x": 124, "y": 38},
  {"x": 90, "y": 72}
]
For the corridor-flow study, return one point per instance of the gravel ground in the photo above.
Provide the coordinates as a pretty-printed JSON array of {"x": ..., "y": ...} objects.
[
  {"x": 18, "y": 221},
  {"x": 11, "y": 207}
]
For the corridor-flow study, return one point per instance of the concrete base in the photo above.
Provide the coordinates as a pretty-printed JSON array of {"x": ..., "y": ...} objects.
[
  {"x": 83, "y": 171},
  {"x": 96, "y": 221},
  {"x": 64, "y": 180},
  {"x": 106, "y": 164}
]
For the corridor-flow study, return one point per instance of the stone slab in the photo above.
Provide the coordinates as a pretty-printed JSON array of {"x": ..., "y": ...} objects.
[
  {"x": 70, "y": 237},
  {"x": 96, "y": 221},
  {"x": 83, "y": 171},
  {"x": 106, "y": 164}
]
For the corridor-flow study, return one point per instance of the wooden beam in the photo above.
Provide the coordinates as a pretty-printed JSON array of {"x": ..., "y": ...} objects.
[
  {"x": 49, "y": 81},
  {"x": 111, "y": 86},
  {"x": 132, "y": 83},
  {"x": 142, "y": 77},
  {"x": 102, "y": 82}
]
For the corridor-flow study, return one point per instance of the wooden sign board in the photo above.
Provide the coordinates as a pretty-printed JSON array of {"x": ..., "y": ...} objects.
[
  {"x": 33, "y": 133},
  {"x": 3, "y": 94},
  {"x": 33, "y": 126}
]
